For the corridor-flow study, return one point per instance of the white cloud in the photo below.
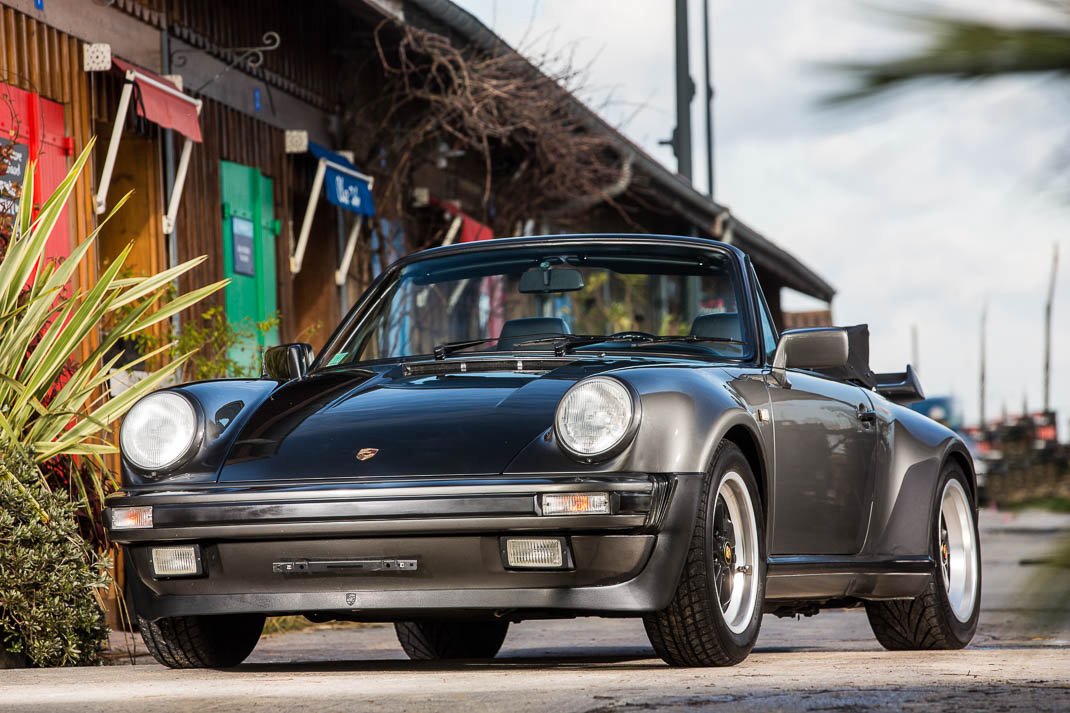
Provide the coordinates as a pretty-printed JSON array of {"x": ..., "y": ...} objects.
[{"x": 917, "y": 208}]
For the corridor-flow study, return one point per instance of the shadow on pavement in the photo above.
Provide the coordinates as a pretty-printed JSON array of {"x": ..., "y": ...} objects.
[{"x": 638, "y": 658}]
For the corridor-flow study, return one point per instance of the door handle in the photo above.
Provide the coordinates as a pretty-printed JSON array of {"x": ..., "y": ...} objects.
[{"x": 866, "y": 415}]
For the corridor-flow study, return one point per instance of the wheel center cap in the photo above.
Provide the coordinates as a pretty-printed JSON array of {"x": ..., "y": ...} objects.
[{"x": 728, "y": 554}]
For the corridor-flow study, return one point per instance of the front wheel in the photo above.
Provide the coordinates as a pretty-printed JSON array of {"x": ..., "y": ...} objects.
[
  {"x": 448, "y": 639},
  {"x": 202, "y": 641},
  {"x": 945, "y": 616},
  {"x": 716, "y": 611}
]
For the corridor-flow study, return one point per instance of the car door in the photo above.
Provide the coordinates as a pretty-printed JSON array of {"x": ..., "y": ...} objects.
[{"x": 825, "y": 439}]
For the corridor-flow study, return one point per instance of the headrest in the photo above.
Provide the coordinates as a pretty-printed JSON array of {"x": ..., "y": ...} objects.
[
  {"x": 519, "y": 330},
  {"x": 724, "y": 325}
]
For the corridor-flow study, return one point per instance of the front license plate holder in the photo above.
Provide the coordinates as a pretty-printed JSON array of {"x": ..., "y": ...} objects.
[{"x": 344, "y": 566}]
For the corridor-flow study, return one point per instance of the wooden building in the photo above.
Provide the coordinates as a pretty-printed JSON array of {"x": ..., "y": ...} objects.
[{"x": 266, "y": 94}]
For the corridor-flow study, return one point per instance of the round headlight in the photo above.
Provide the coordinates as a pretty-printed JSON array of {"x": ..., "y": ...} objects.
[
  {"x": 596, "y": 417},
  {"x": 159, "y": 431}
]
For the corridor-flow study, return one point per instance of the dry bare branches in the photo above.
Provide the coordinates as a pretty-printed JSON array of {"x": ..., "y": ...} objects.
[{"x": 504, "y": 117}]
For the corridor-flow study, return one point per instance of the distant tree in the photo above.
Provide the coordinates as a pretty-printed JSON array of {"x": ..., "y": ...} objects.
[{"x": 961, "y": 47}]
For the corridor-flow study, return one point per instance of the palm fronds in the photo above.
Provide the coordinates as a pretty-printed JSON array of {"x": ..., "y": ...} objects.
[
  {"x": 964, "y": 48},
  {"x": 44, "y": 321}
]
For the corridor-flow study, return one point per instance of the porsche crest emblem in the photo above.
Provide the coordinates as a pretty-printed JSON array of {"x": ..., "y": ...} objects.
[
  {"x": 366, "y": 453},
  {"x": 351, "y": 598}
]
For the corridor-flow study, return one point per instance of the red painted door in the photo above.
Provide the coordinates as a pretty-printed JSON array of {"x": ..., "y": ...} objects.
[{"x": 33, "y": 128}]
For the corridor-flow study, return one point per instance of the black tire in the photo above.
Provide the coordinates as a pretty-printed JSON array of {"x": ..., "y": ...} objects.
[
  {"x": 202, "y": 641},
  {"x": 928, "y": 621},
  {"x": 692, "y": 630},
  {"x": 449, "y": 639}
]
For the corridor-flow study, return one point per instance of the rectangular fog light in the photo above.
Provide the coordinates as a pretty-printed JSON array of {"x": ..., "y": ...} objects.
[
  {"x": 182, "y": 561},
  {"x": 575, "y": 504},
  {"x": 536, "y": 553},
  {"x": 138, "y": 518}
]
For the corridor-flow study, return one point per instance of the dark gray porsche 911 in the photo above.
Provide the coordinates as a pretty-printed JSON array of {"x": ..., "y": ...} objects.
[{"x": 547, "y": 428}]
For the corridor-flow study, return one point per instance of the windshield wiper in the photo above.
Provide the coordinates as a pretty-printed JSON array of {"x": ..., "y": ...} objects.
[
  {"x": 446, "y": 348},
  {"x": 691, "y": 339},
  {"x": 564, "y": 343}
]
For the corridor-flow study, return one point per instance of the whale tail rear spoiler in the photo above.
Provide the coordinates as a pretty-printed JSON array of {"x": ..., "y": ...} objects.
[{"x": 900, "y": 387}]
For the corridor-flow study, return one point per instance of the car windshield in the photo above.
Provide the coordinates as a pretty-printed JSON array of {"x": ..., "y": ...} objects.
[{"x": 624, "y": 297}]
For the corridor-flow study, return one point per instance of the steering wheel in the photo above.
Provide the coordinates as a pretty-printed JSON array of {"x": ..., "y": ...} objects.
[{"x": 633, "y": 335}]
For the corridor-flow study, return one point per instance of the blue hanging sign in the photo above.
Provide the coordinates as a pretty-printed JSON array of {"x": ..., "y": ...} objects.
[{"x": 342, "y": 183}]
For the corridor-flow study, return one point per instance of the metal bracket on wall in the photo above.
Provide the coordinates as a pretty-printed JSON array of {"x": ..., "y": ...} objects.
[
  {"x": 347, "y": 256},
  {"x": 250, "y": 57}
]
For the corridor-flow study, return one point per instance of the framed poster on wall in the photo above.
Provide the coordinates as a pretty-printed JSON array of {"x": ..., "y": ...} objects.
[
  {"x": 244, "y": 257},
  {"x": 14, "y": 158}
]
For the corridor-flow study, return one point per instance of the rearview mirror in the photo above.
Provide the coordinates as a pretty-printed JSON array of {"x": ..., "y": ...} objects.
[
  {"x": 287, "y": 361},
  {"x": 821, "y": 348},
  {"x": 559, "y": 279}
]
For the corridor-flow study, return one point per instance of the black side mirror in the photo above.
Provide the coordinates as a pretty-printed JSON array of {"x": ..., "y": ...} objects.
[
  {"x": 821, "y": 348},
  {"x": 287, "y": 361}
]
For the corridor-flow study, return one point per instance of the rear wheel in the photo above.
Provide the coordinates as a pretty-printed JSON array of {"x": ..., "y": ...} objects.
[
  {"x": 945, "y": 616},
  {"x": 448, "y": 639},
  {"x": 716, "y": 611},
  {"x": 202, "y": 641}
]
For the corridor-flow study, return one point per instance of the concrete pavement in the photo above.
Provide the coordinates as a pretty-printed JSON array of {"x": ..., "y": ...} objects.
[{"x": 1020, "y": 660}]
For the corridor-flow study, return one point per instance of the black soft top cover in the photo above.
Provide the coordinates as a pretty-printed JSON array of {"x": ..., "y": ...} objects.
[{"x": 857, "y": 368}]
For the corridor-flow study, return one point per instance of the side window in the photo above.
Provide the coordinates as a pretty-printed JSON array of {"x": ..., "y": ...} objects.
[{"x": 769, "y": 334}]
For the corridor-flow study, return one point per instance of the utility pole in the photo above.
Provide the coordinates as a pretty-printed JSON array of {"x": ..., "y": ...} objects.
[
  {"x": 709, "y": 97},
  {"x": 685, "y": 92},
  {"x": 915, "y": 360},
  {"x": 984, "y": 349},
  {"x": 1047, "y": 328}
]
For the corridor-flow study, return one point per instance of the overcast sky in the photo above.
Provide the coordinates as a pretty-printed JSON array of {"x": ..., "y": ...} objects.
[{"x": 916, "y": 208}]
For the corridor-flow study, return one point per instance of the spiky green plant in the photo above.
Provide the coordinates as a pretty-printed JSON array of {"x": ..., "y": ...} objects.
[{"x": 44, "y": 320}]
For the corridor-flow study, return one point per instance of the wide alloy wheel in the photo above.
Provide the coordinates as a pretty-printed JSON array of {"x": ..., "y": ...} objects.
[
  {"x": 735, "y": 552},
  {"x": 716, "y": 610},
  {"x": 449, "y": 639},
  {"x": 960, "y": 564},
  {"x": 945, "y": 616}
]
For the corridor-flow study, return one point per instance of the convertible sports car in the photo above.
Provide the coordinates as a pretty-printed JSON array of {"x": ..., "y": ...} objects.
[{"x": 550, "y": 427}]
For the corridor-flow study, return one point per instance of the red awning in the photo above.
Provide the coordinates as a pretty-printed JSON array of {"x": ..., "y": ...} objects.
[
  {"x": 162, "y": 103},
  {"x": 471, "y": 229}
]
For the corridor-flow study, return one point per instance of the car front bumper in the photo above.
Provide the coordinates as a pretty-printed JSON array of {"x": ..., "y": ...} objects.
[{"x": 624, "y": 562}]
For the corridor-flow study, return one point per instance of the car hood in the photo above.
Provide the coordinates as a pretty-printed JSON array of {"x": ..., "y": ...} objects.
[{"x": 355, "y": 424}]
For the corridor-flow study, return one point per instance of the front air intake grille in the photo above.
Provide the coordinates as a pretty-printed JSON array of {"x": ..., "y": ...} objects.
[{"x": 512, "y": 364}]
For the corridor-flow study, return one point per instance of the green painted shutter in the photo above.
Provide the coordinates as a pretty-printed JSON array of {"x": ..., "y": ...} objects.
[{"x": 249, "y": 232}]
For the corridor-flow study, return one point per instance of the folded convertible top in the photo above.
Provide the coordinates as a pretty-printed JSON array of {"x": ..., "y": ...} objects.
[{"x": 856, "y": 370}]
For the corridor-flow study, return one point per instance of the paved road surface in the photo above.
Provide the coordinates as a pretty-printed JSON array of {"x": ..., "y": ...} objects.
[{"x": 825, "y": 663}]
